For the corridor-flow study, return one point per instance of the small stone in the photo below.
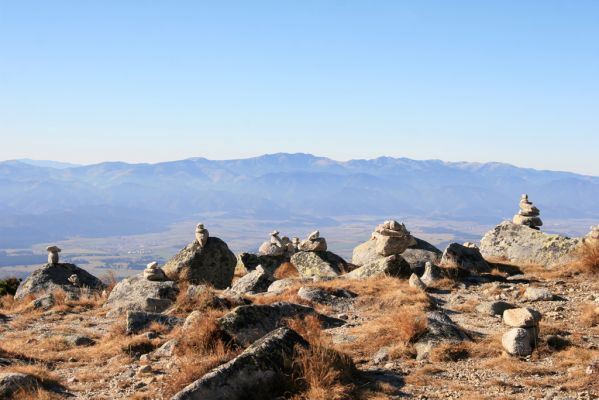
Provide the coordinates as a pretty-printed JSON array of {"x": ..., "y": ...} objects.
[
  {"x": 144, "y": 370},
  {"x": 518, "y": 342},
  {"x": 493, "y": 308},
  {"x": 537, "y": 294},
  {"x": 521, "y": 317},
  {"x": 416, "y": 283}
]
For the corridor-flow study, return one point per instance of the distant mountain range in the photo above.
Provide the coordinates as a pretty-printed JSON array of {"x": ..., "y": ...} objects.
[{"x": 44, "y": 201}]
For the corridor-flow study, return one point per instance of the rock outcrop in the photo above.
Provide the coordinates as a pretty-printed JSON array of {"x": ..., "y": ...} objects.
[
  {"x": 245, "y": 324},
  {"x": 521, "y": 245},
  {"x": 262, "y": 369},
  {"x": 415, "y": 251},
  {"x": 256, "y": 281},
  {"x": 51, "y": 277},
  {"x": 440, "y": 328},
  {"x": 140, "y": 320},
  {"x": 528, "y": 214},
  {"x": 247, "y": 262},
  {"x": 465, "y": 258},
  {"x": 393, "y": 265},
  {"x": 139, "y": 294},
  {"x": 318, "y": 264},
  {"x": 212, "y": 263}
]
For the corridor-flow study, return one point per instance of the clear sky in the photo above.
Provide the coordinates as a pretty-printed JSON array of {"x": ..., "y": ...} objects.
[{"x": 512, "y": 81}]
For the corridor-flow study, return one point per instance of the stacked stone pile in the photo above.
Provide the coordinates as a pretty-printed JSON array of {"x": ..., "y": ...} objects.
[
  {"x": 522, "y": 338},
  {"x": 528, "y": 214}
]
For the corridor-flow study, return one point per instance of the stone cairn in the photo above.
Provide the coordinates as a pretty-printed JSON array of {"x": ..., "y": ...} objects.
[
  {"x": 154, "y": 273},
  {"x": 53, "y": 254},
  {"x": 528, "y": 214},
  {"x": 522, "y": 338},
  {"x": 202, "y": 235},
  {"x": 313, "y": 243},
  {"x": 273, "y": 247},
  {"x": 392, "y": 238},
  {"x": 592, "y": 239}
]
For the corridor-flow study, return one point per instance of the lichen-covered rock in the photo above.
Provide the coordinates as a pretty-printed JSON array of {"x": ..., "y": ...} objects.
[
  {"x": 139, "y": 320},
  {"x": 521, "y": 317},
  {"x": 537, "y": 294},
  {"x": 262, "y": 370},
  {"x": 518, "y": 341},
  {"x": 256, "y": 281},
  {"x": 284, "y": 284},
  {"x": 493, "y": 308},
  {"x": 393, "y": 265},
  {"x": 431, "y": 274},
  {"x": 465, "y": 258},
  {"x": 139, "y": 294},
  {"x": 522, "y": 245},
  {"x": 245, "y": 324},
  {"x": 439, "y": 328},
  {"x": 331, "y": 297},
  {"x": 416, "y": 283},
  {"x": 318, "y": 264},
  {"x": 11, "y": 382},
  {"x": 51, "y": 277},
  {"x": 212, "y": 264}
]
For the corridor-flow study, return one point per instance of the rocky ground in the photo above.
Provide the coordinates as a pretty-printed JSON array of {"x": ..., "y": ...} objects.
[{"x": 350, "y": 336}]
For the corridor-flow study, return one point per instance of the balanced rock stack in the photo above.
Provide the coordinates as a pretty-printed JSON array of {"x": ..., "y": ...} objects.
[
  {"x": 592, "y": 238},
  {"x": 523, "y": 337},
  {"x": 528, "y": 214},
  {"x": 202, "y": 235},
  {"x": 313, "y": 259},
  {"x": 154, "y": 273},
  {"x": 53, "y": 254},
  {"x": 314, "y": 243},
  {"x": 206, "y": 260},
  {"x": 392, "y": 238},
  {"x": 273, "y": 247}
]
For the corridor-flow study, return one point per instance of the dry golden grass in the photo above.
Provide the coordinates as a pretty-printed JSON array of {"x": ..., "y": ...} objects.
[
  {"x": 200, "y": 348},
  {"x": 286, "y": 270},
  {"x": 204, "y": 300},
  {"x": 110, "y": 280},
  {"x": 589, "y": 315},
  {"x": 587, "y": 258}
]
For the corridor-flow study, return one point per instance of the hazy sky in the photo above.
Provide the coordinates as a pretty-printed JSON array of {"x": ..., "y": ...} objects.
[{"x": 512, "y": 81}]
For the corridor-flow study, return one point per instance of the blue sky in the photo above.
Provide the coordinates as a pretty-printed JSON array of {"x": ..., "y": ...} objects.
[{"x": 512, "y": 81}]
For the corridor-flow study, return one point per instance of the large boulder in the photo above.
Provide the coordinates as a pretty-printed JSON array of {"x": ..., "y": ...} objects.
[
  {"x": 139, "y": 294},
  {"x": 51, "y": 277},
  {"x": 256, "y": 281},
  {"x": 318, "y": 264},
  {"x": 261, "y": 371},
  {"x": 393, "y": 265},
  {"x": 523, "y": 245},
  {"x": 245, "y": 324},
  {"x": 416, "y": 254},
  {"x": 465, "y": 258},
  {"x": 212, "y": 264}
]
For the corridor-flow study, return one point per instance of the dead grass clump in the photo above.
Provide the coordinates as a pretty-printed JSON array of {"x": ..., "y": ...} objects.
[
  {"x": 587, "y": 258},
  {"x": 286, "y": 270},
  {"x": 450, "y": 352},
  {"x": 323, "y": 374},
  {"x": 109, "y": 279},
  {"x": 202, "y": 299},
  {"x": 589, "y": 315},
  {"x": 200, "y": 347}
]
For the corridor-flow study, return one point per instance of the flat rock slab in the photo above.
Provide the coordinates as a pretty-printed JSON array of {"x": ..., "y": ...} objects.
[
  {"x": 318, "y": 264},
  {"x": 523, "y": 245},
  {"x": 139, "y": 294},
  {"x": 51, "y": 277},
  {"x": 246, "y": 324},
  {"x": 259, "y": 372}
]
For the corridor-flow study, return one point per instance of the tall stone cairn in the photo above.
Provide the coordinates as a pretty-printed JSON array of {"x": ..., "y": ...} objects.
[{"x": 528, "y": 214}]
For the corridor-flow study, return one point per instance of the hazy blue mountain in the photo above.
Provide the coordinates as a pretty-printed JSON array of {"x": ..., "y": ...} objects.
[
  {"x": 39, "y": 201},
  {"x": 47, "y": 163}
]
